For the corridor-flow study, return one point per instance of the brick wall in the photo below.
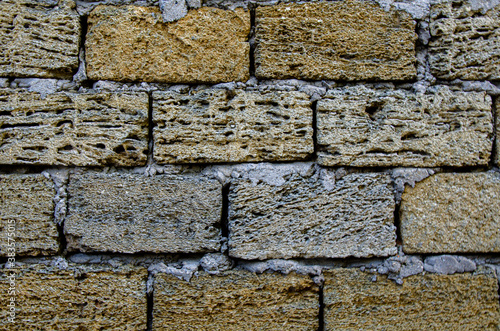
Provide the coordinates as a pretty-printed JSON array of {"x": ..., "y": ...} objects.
[{"x": 249, "y": 165}]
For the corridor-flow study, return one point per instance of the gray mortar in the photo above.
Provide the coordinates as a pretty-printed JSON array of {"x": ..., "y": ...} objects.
[
  {"x": 43, "y": 86},
  {"x": 448, "y": 264},
  {"x": 173, "y": 10},
  {"x": 81, "y": 74},
  {"x": 4, "y": 82},
  {"x": 408, "y": 176},
  {"x": 215, "y": 263},
  {"x": 60, "y": 177},
  {"x": 184, "y": 269}
]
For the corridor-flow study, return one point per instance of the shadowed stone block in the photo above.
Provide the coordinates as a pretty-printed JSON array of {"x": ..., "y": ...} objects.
[
  {"x": 299, "y": 211},
  {"x": 129, "y": 213}
]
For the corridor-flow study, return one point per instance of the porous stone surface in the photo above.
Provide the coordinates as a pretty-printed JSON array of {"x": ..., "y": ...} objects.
[
  {"x": 341, "y": 40},
  {"x": 218, "y": 125},
  {"x": 86, "y": 129},
  {"x": 76, "y": 297},
  {"x": 353, "y": 301},
  {"x": 465, "y": 37},
  {"x": 361, "y": 126},
  {"x": 27, "y": 215},
  {"x": 235, "y": 300},
  {"x": 130, "y": 213},
  {"x": 39, "y": 39},
  {"x": 311, "y": 214},
  {"x": 131, "y": 43},
  {"x": 452, "y": 212}
]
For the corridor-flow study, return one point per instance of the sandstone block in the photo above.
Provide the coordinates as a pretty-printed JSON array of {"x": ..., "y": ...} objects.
[
  {"x": 79, "y": 297},
  {"x": 73, "y": 129},
  {"x": 311, "y": 215},
  {"x": 424, "y": 302},
  {"x": 216, "y": 125},
  {"x": 27, "y": 210},
  {"x": 452, "y": 212},
  {"x": 130, "y": 213},
  {"x": 131, "y": 43},
  {"x": 38, "y": 39},
  {"x": 359, "y": 126},
  {"x": 236, "y": 300},
  {"x": 342, "y": 40},
  {"x": 465, "y": 37}
]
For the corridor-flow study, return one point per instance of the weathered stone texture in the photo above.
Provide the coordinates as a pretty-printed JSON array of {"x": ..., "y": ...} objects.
[
  {"x": 346, "y": 40},
  {"x": 216, "y": 125},
  {"x": 131, "y": 43},
  {"x": 311, "y": 217},
  {"x": 73, "y": 129},
  {"x": 236, "y": 300},
  {"x": 77, "y": 298},
  {"x": 452, "y": 212},
  {"x": 26, "y": 206},
  {"x": 424, "y": 302},
  {"x": 38, "y": 39},
  {"x": 465, "y": 39},
  {"x": 130, "y": 213},
  {"x": 359, "y": 126}
]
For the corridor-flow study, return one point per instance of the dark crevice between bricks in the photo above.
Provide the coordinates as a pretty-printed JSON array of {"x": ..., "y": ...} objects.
[
  {"x": 321, "y": 312},
  {"x": 314, "y": 106},
  {"x": 150, "y": 302},
  {"x": 495, "y": 141},
  {"x": 150, "y": 128},
  {"x": 251, "y": 40},
  {"x": 224, "y": 226},
  {"x": 84, "y": 24},
  {"x": 63, "y": 243},
  {"x": 397, "y": 223}
]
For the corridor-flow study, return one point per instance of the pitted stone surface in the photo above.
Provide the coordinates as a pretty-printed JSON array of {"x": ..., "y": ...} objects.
[
  {"x": 341, "y": 40},
  {"x": 359, "y": 126},
  {"x": 130, "y": 213},
  {"x": 311, "y": 217},
  {"x": 452, "y": 212},
  {"x": 465, "y": 40},
  {"x": 38, "y": 39},
  {"x": 87, "y": 129},
  {"x": 27, "y": 212},
  {"x": 353, "y": 301},
  {"x": 131, "y": 43},
  {"x": 217, "y": 125},
  {"x": 235, "y": 300},
  {"x": 79, "y": 297}
]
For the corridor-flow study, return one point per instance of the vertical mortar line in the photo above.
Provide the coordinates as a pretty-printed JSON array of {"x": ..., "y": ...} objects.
[
  {"x": 314, "y": 107},
  {"x": 150, "y": 128},
  {"x": 251, "y": 40},
  {"x": 321, "y": 312},
  {"x": 150, "y": 302}
]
